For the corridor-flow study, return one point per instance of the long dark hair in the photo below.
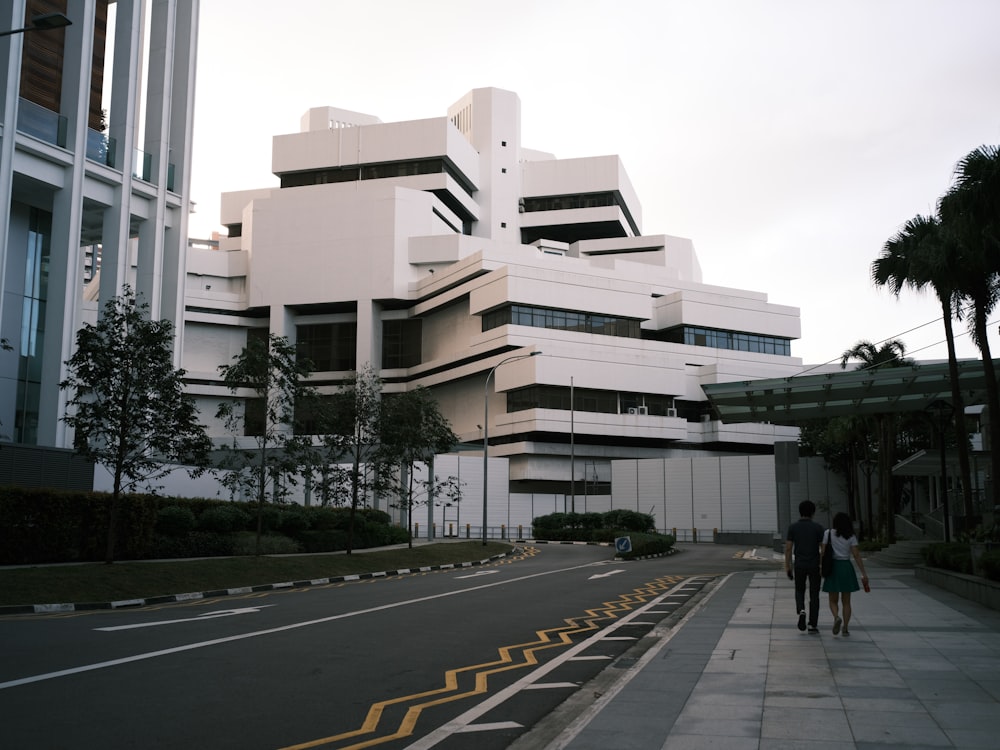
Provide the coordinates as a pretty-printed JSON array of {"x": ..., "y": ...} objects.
[{"x": 843, "y": 526}]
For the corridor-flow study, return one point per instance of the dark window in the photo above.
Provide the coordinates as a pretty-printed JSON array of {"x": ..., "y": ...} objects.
[
  {"x": 561, "y": 202},
  {"x": 401, "y": 343},
  {"x": 564, "y": 320},
  {"x": 253, "y": 417},
  {"x": 330, "y": 346},
  {"x": 718, "y": 339}
]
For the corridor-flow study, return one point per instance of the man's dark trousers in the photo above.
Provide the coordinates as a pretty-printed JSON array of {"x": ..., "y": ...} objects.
[{"x": 812, "y": 577}]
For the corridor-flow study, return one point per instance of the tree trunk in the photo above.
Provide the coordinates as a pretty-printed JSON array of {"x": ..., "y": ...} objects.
[
  {"x": 992, "y": 401},
  {"x": 959, "y": 412}
]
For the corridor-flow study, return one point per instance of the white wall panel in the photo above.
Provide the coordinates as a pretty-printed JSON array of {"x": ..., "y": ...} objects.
[
  {"x": 734, "y": 500},
  {"x": 624, "y": 484},
  {"x": 763, "y": 494},
  {"x": 650, "y": 489},
  {"x": 678, "y": 497},
  {"x": 707, "y": 494}
]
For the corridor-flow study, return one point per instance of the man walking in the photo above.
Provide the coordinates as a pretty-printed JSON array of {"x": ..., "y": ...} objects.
[{"x": 804, "y": 539}]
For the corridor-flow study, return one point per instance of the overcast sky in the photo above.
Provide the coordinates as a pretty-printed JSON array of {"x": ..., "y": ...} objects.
[{"x": 789, "y": 139}]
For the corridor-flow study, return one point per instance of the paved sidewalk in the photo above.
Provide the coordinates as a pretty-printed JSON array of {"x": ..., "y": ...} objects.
[{"x": 921, "y": 669}]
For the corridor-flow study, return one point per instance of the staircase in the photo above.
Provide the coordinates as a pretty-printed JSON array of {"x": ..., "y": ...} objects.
[{"x": 904, "y": 554}]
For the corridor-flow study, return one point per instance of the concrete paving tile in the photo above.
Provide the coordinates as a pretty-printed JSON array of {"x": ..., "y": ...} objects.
[
  {"x": 776, "y": 744},
  {"x": 965, "y": 715},
  {"x": 869, "y": 677},
  {"x": 802, "y": 723},
  {"x": 973, "y": 738},
  {"x": 898, "y": 705},
  {"x": 711, "y": 710},
  {"x": 717, "y": 727},
  {"x": 991, "y": 686},
  {"x": 902, "y": 735},
  {"x": 931, "y": 689},
  {"x": 803, "y": 700},
  {"x": 598, "y": 739},
  {"x": 703, "y": 742},
  {"x": 726, "y": 699}
]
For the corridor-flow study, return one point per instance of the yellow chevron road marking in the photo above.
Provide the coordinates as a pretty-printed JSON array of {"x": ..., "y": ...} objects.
[{"x": 549, "y": 638}]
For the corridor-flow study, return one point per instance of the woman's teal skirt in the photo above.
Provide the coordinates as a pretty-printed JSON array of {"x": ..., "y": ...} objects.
[{"x": 843, "y": 579}]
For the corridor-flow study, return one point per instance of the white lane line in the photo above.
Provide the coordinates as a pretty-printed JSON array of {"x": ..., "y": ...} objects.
[
  {"x": 269, "y": 631},
  {"x": 199, "y": 618},
  {"x": 492, "y": 727},
  {"x": 551, "y": 685}
]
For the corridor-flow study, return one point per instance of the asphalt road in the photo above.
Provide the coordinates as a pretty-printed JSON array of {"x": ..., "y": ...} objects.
[{"x": 414, "y": 661}]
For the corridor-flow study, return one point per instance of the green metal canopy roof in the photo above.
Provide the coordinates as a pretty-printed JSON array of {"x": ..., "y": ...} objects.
[{"x": 796, "y": 399}]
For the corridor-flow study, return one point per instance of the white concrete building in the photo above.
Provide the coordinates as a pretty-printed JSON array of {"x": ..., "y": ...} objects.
[
  {"x": 435, "y": 249},
  {"x": 95, "y": 152}
]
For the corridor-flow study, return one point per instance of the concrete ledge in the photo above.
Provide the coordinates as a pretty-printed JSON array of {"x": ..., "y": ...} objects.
[{"x": 973, "y": 588}]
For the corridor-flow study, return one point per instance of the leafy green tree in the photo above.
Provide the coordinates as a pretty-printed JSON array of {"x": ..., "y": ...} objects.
[
  {"x": 889, "y": 354},
  {"x": 921, "y": 255},
  {"x": 970, "y": 214},
  {"x": 350, "y": 428},
  {"x": 267, "y": 381},
  {"x": 413, "y": 431},
  {"x": 127, "y": 405}
]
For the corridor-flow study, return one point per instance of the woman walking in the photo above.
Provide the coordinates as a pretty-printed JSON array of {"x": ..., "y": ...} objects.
[{"x": 843, "y": 581}]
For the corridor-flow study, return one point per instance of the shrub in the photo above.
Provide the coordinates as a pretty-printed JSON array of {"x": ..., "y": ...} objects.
[
  {"x": 644, "y": 545},
  {"x": 989, "y": 563},
  {"x": 223, "y": 518},
  {"x": 175, "y": 520},
  {"x": 323, "y": 540},
  {"x": 949, "y": 556},
  {"x": 293, "y": 521},
  {"x": 629, "y": 520},
  {"x": 245, "y": 544},
  {"x": 325, "y": 518},
  {"x": 193, "y": 544}
]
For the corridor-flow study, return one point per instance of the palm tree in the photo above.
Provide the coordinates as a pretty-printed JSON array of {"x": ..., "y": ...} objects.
[
  {"x": 891, "y": 353},
  {"x": 918, "y": 256},
  {"x": 970, "y": 214}
]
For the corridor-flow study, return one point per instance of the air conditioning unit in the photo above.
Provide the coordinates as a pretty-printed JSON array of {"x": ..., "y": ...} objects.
[
  {"x": 671, "y": 412},
  {"x": 642, "y": 410},
  {"x": 706, "y": 417},
  {"x": 632, "y": 410}
]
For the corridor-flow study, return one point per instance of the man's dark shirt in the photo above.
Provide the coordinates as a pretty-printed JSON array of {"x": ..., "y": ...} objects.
[{"x": 805, "y": 535}]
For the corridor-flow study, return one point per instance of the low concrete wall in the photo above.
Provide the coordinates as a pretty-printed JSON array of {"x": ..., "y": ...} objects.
[
  {"x": 974, "y": 588},
  {"x": 757, "y": 539}
]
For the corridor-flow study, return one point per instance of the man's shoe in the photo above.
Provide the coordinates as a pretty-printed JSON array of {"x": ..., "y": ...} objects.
[
  {"x": 813, "y": 630},
  {"x": 802, "y": 620},
  {"x": 836, "y": 625}
]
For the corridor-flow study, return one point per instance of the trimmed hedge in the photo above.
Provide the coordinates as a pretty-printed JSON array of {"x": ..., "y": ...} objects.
[
  {"x": 47, "y": 526},
  {"x": 949, "y": 556},
  {"x": 605, "y": 528},
  {"x": 989, "y": 563}
]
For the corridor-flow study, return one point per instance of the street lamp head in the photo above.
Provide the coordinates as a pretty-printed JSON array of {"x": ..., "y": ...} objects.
[
  {"x": 50, "y": 21},
  {"x": 44, "y": 22}
]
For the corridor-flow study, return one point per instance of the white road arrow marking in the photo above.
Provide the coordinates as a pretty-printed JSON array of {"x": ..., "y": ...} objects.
[
  {"x": 605, "y": 575},
  {"x": 480, "y": 573},
  {"x": 205, "y": 616}
]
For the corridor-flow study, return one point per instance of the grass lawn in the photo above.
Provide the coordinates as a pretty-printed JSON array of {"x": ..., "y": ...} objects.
[{"x": 97, "y": 582}]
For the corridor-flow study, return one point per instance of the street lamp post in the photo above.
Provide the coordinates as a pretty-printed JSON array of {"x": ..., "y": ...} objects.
[
  {"x": 486, "y": 429},
  {"x": 45, "y": 22}
]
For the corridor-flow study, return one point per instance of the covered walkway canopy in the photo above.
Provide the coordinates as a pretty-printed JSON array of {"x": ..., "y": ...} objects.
[{"x": 800, "y": 398}]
